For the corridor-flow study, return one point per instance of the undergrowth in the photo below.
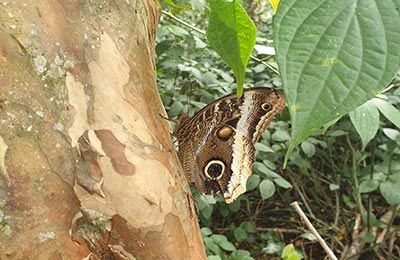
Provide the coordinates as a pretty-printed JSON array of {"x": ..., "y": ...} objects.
[{"x": 345, "y": 190}]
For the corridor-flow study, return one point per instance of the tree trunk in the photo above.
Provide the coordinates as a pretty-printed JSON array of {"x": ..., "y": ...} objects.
[{"x": 87, "y": 167}]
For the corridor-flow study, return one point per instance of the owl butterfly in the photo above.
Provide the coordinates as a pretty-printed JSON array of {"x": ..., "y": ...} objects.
[{"x": 216, "y": 146}]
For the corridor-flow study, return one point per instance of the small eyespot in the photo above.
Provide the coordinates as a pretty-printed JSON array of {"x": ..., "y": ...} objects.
[
  {"x": 224, "y": 133},
  {"x": 276, "y": 95},
  {"x": 266, "y": 107},
  {"x": 214, "y": 169}
]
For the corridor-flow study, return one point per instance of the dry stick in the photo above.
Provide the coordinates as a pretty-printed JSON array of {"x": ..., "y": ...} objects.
[
  {"x": 313, "y": 230},
  {"x": 301, "y": 194}
]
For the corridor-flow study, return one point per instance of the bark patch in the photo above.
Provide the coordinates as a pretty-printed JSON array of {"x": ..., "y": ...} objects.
[{"x": 115, "y": 151}]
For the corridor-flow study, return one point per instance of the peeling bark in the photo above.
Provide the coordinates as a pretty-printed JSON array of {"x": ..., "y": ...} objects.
[{"x": 87, "y": 167}]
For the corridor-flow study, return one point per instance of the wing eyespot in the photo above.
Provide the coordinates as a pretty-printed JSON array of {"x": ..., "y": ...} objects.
[
  {"x": 224, "y": 132},
  {"x": 214, "y": 170},
  {"x": 266, "y": 107}
]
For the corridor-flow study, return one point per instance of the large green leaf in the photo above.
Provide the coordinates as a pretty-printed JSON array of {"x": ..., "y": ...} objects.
[
  {"x": 232, "y": 34},
  {"x": 334, "y": 55}
]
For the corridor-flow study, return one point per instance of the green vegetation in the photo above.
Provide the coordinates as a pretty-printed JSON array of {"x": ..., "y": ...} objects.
[{"x": 346, "y": 175}]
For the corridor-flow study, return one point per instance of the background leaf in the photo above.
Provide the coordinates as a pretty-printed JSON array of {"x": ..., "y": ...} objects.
[
  {"x": 366, "y": 121},
  {"x": 267, "y": 189},
  {"x": 368, "y": 186},
  {"x": 232, "y": 35},
  {"x": 252, "y": 182},
  {"x": 390, "y": 189},
  {"x": 331, "y": 64},
  {"x": 388, "y": 110},
  {"x": 329, "y": 168}
]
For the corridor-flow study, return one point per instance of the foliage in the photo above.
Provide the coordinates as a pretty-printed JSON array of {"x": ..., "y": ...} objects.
[
  {"x": 329, "y": 63},
  {"x": 348, "y": 170},
  {"x": 289, "y": 253},
  {"x": 232, "y": 34}
]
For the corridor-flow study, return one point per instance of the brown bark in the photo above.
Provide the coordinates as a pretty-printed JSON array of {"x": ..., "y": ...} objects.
[{"x": 87, "y": 167}]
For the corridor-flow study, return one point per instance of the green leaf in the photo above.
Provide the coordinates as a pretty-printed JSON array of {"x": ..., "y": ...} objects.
[
  {"x": 273, "y": 247},
  {"x": 281, "y": 182},
  {"x": 176, "y": 109},
  {"x": 390, "y": 189},
  {"x": 369, "y": 237},
  {"x": 333, "y": 186},
  {"x": 223, "y": 242},
  {"x": 392, "y": 134},
  {"x": 205, "y": 231},
  {"x": 260, "y": 167},
  {"x": 366, "y": 122},
  {"x": 280, "y": 136},
  {"x": 163, "y": 46},
  {"x": 308, "y": 149},
  {"x": 264, "y": 148},
  {"x": 248, "y": 226},
  {"x": 240, "y": 254},
  {"x": 205, "y": 204},
  {"x": 240, "y": 234},
  {"x": 235, "y": 206},
  {"x": 228, "y": 246},
  {"x": 252, "y": 182},
  {"x": 388, "y": 110},
  {"x": 211, "y": 245},
  {"x": 287, "y": 250},
  {"x": 308, "y": 236},
  {"x": 348, "y": 202},
  {"x": 289, "y": 253},
  {"x": 369, "y": 219},
  {"x": 232, "y": 34},
  {"x": 293, "y": 256},
  {"x": 271, "y": 165},
  {"x": 337, "y": 133},
  {"x": 267, "y": 189},
  {"x": 219, "y": 238},
  {"x": 334, "y": 55},
  {"x": 368, "y": 186}
]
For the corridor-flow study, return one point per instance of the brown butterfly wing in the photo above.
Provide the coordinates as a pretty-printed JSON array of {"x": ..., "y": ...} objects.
[{"x": 221, "y": 136}]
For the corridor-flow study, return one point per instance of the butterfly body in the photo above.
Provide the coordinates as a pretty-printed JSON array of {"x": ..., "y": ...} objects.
[{"x": 216, "y": 145}]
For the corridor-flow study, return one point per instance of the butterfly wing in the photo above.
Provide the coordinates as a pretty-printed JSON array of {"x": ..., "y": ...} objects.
[{"x": 216, "y": 146}]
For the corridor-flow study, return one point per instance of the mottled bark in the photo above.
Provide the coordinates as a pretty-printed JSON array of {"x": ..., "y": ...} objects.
[{"x": 87, "y": 167}]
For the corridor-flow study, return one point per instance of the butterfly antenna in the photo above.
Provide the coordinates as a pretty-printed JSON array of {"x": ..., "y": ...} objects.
[{"x": 168, "y": 119}]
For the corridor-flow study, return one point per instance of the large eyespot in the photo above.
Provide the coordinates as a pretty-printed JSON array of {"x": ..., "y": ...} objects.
[
  {"x": 224, "y": 133},
  {"x": 214, "y": 169},
  {"x": 266, "y": 107}
]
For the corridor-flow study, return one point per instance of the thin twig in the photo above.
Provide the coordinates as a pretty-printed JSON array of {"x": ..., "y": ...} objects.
[
  {"x": 265, "y": 64},
  {"x": 204, "y": 33},
  {"x": 183, "y": 22},
  {"x": 313, "y": 230},
  {"x": 302, "y": 196}
]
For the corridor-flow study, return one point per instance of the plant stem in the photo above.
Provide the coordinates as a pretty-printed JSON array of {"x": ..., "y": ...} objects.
[{"x": 355, "y": 177}]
